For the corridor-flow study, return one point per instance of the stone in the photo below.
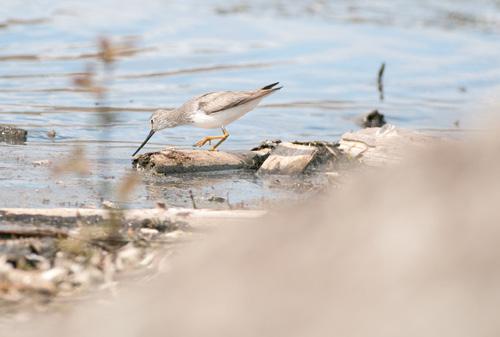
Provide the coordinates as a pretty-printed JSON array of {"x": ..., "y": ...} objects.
[
  {"x": 371, "y": 120},
  {"x": 12, "y": 135},
  {"x": 386, "y": 145}
]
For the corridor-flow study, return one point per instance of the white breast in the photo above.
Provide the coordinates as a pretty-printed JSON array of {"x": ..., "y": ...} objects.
[{"x": 222, "y": 118}]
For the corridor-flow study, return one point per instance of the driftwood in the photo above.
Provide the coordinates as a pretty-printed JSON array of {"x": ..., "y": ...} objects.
[
  {"x": 372, "y": 146},
  {"x": 182, "y": 161},
  {"x": 12, "y": 135},
  {"x": 382, "y": 146},
  {"x": 271, "y": 157},
  {"x": 190, "y": 217}
]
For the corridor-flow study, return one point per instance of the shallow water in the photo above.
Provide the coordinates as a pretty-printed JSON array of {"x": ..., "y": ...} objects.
[{"x": 443, "y": 61}]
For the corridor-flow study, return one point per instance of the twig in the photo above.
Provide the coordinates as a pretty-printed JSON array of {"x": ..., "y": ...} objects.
[
  {"x": 192, "y": 199},
  {"x": 228, "y": 202},
  {"x": 380, "y": 81}
]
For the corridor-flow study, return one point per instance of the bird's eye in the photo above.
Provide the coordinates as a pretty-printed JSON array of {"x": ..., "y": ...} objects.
[{"x": 152, "y": 122}]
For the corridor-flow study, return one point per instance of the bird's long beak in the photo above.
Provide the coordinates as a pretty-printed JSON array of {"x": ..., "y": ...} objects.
[{"x": 151, "y": 133}]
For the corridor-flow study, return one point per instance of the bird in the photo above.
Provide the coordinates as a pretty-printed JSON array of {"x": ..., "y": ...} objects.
[{"x": 209, "y": 111}]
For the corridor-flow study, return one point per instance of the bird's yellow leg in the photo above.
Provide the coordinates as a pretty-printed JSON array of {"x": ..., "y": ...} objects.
[
  {"x": 207, "y": 139},
  {"x": 222, "y": 139}
]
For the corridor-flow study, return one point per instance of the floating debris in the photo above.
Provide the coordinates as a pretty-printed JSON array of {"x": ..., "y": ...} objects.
[
  {"x": 267, "y": 144},
  {"x": 214, "y": 198}
]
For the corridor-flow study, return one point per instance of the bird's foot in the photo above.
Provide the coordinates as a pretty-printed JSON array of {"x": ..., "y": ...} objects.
[
  {"x": 208, "y": 139},
  {"x": 202, "y": 142}
]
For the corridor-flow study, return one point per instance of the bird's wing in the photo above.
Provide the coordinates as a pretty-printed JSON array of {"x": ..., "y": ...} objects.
[{"x": 219, "y": 101}]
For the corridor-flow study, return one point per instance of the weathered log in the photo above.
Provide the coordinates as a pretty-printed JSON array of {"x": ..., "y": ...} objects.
[
  {"x": 191, "y": 217},
  {"x": 12, "y": 135},
  {"x": 183, "y": 161},
  {"x": 381, "y": 146}
]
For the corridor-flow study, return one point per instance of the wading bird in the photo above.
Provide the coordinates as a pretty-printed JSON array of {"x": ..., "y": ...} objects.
[{"x": 209, "y": 111}]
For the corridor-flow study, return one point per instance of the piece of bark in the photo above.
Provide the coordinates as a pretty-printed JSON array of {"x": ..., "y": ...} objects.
[
  {"x": 184, "y": 161},
  {"x": 12, "y": 135},
  {"x": 289, "y": 158},
  {"x": 382, "y": 146}
]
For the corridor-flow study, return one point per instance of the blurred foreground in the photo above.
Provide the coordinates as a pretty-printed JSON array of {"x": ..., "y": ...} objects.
[{"x": 405, "y": 251}]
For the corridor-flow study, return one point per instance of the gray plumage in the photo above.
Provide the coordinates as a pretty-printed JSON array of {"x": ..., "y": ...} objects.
[{"x": 209, "y": 104}]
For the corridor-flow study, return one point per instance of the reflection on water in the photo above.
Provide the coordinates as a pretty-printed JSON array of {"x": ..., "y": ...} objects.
[{"x": 442, "y": 60}]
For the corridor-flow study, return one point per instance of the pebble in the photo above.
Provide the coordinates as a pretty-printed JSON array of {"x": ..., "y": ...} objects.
[
  {"x": 44, "y": 162},
  {"x": 149, "y": 231},
  {"x": 127, "y": 257},
  {"x": 109, "y": 204},
  {"x": 216, "y": 199},
  {"x": 56, "y": 274}
]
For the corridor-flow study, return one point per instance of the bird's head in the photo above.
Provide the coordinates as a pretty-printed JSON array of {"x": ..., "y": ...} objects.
[{"x": 161, "y": 119}]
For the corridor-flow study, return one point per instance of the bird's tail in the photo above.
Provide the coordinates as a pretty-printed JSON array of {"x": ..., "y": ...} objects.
[{"x": 272, "y": 87}]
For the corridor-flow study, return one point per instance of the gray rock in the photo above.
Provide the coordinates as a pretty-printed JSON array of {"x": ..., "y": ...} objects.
[
  {"x": 12, "y": 135},
  {"x": 385, "y": 145},
  {"x": 372, "y": 119},
  {"x": 289, "y": 159}
]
